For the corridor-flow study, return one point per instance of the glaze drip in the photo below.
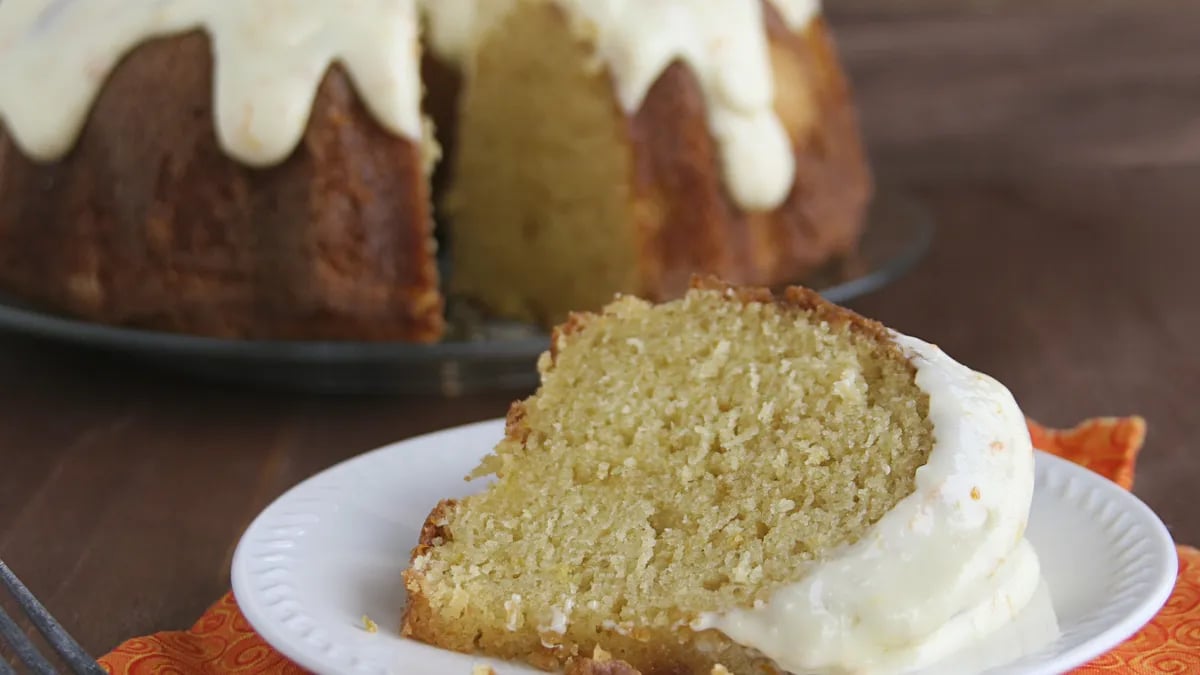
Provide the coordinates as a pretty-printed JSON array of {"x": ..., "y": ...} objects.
[{"x": 269, "y": 58}]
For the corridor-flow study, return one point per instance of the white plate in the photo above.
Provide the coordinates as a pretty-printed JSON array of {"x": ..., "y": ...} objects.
[{"x": 331, "y": 550}]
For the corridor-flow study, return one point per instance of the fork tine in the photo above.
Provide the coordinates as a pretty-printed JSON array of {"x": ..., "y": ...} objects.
[
  {"x": 62, "y": 642},
  {"x": 20, "y": 643},
  {"x": 6, "y": 669}
]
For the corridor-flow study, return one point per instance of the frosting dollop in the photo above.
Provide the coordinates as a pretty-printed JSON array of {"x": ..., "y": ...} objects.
[{"x": 946, "y": 566}]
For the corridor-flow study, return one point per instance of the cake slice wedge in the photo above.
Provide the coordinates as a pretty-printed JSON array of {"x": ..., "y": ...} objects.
[{"x": 735, "y": 478}]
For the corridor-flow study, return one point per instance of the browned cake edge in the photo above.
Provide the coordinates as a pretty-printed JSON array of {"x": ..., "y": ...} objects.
[
  {"x": 808, "y": 300},
  {"x": 791, "y": 298}
]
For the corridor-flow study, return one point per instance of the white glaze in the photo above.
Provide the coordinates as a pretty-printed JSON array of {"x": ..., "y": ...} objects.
[
  {"x": 723, "y": 43},
  {"x": 946, "y": 566},
  {"x": 797, "y": 14},
  {"x": 454, "y": 27},
  {"x": 1034, "y": 629},
  {"x": 269, "y": 58}
]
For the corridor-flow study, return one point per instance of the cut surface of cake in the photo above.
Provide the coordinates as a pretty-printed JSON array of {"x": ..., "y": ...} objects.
[
  {"x": 262, "y": 170},
  {"x": 761, "y": 483}
]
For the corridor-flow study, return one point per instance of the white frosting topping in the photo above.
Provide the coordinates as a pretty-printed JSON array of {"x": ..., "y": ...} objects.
[
  {"x": 797, "y": 14},
  {"x": 453, "y": 27},
  {"x": 1034, "y": 629},
  {"x": 946, "y": 566},
  {"x": 269, "y": 58},
  {"x": 724, "y": 44}
]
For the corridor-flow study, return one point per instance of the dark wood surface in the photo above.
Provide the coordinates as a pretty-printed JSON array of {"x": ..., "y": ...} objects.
[{"x": 1057, "y": 144}]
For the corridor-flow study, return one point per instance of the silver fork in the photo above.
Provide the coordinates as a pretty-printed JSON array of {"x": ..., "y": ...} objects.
[{"x": 63, "y": 644}]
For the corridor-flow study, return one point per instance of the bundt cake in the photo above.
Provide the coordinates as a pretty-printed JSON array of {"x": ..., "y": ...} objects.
[
  {"x": 260, "y": 169},
  {"x": 761, "y": 483}
]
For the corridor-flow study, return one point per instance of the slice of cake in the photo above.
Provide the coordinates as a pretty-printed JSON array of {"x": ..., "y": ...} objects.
[{"x": 737, "y": 479}]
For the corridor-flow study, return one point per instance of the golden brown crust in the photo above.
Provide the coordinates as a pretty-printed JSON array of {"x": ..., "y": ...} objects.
[
  {"x": 576, "y": 321},
  {"x": 789, "y": 297},
  {"x": 688, "y": 221},
  {"x": 808, "y": 300},
  {"x": 418, "y": 613},
  {"x": 515, "y": 428},
  {"x": 148, "y": 223}
]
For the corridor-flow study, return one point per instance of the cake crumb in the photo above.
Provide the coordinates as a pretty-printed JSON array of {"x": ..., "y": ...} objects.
[
  {"x": 513, "y": 615},
  {"x": 975, "y": 494},
  {"x": 483, "y": 669},
  {"x": 720, "y": 670},
  {"x": 369, "y": 624}
]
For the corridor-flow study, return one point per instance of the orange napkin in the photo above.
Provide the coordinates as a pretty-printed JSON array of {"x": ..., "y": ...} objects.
[{"x": 223, "y": 642}]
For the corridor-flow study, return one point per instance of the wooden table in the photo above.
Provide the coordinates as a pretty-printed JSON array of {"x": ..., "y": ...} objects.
[{"x": 1057, "y": 143}]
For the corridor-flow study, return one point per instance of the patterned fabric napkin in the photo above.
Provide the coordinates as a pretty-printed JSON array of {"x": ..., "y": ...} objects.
[{"x": 222, "y": 641}]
